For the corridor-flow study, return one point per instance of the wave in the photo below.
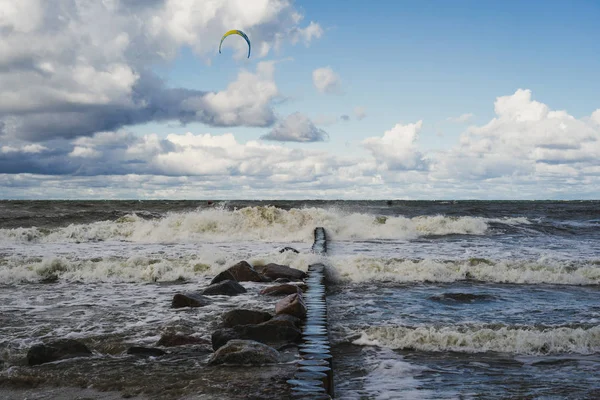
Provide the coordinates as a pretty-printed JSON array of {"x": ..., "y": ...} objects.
[
  {"x": 263, "y": 223},
  {"x": 363, "y": 269},
  {"x": 142, "y": 269},
  {"x": 478, "y": 339}
]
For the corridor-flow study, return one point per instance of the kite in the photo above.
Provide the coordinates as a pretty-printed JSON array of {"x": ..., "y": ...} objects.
[{"x": 235, "y": 32}]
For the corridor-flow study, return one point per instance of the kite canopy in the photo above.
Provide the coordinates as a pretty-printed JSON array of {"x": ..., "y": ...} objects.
[{"x": 235, "y": 32}]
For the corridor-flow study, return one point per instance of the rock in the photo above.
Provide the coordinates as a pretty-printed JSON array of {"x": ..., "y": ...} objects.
[
  {"x": 289, "y": 249},
  {"x": 241, "y": 272},
  {"x": 244, "y": 352},
  {"x": 461, "y": 297},
  {"x": 293, "y": 305},
  {"x": 58, "y": 350},
  {"x": 226, "y": 288},
  {"x": 189, "y": 299},
  {"x": 269, "y": 332},
  {"x": 145, "y": 351},
  {"x": 276, "y": 271},
  {"x": 282, "y": 280},
  {"x": 244, "y": 317},
  {"x": 171, "y": 340},
  {"x": 287, "y": 317},
  {"x": 221, "y": 337},
  {"x": 279, "y": 290}
]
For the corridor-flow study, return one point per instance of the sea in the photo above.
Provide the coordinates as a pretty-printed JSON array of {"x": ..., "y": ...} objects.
[{"x": 426, "y": 299}]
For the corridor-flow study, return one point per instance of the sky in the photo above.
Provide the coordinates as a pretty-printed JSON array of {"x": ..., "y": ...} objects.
[{"x": 130, "y": 99}]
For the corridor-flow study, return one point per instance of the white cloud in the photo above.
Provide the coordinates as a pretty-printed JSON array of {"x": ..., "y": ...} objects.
[
  {"x": 462, "y": 118},
  {"x": 596, "y": 116},
  {"x": 86, "y": 152},
  {"x": 245, "y": 101},
  {"x": 526, "y": 151},
  {"x": 396, "y": 150},
  {"x": 326, "y": 81},
  {"x": 523, "y": 140},
  {"x": 63, "y": 73},
  {"x": 360, "y": 113},
  {"x": 296, "y": 128}
]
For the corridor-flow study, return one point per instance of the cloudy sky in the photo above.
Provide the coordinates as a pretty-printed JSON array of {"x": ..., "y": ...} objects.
[{"x": 350, "y": 99}]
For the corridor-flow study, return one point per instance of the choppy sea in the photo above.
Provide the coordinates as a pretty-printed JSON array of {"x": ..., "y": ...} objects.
[{"x": 429, "y": 300}]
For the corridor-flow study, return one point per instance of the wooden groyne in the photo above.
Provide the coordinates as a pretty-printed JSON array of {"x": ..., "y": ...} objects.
[{"x": 314, "y": 379}]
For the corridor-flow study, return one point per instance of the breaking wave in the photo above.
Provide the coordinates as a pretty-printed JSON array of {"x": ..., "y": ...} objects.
[
  {"x": 478, "y": 339},
  {"x": 363, "y": 269},
  {"x": 266, "y": 223}
]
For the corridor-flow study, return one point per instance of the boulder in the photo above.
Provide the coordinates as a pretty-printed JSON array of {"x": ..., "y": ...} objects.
[
  {"x": 189, "y": 299},
  {"x": 171, "y": 340},
  {"x": 244, "y": 352},
  {"x": 293, "y": 250},
  {"x": 57, "y": 350},
  {"x": 289, "y": 318},
  {"x": 282, "y": 280},
  {"x": 283, "y": 289},
  {"x": 225, "y": 288},
  {"x": 145, "y": 351},
  {"x": 269, "y": 332},
  {"x": 276, "y": 271},
  {"x": 293, "y": 305},
  {"x": 241, "y": 272},
  {"x": 461, "y": 297},
  {"x": 244, "y": 317}
]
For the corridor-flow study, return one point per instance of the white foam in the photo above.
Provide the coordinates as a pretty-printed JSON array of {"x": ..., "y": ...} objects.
[
  {"x": 140, "y": 266},
  {"x": 389, "y": 377},
  {"x": 266, "y": 223},
  {"x": 477, "y": 339},
  {"x": 362, "y": 269}
]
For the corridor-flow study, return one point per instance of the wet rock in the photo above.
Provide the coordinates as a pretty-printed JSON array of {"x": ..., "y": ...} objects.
[
  {"x": 282, "y": 280},
  {"x": 241, "y": 272},
  {"x": 461, "y": 297},
  {"x": 189, "y": 299},
  {"x": 57, "y": 350},
  {"x": 292, "y": 305},
  {"x": 244, "y": 317},
  {"x": 270, "y": 332},
  {"x": 172, "y": 340},
  {"x": 245, "y": 352},
  {"x": 283, "y": 289},
  {"x": 276, "y": 271},
  {"x": 289, "y": 318},
  {"x": 145, "y": 351},
  {"x": 293, "y": 250},
  {"x": 226, "y": 288}
]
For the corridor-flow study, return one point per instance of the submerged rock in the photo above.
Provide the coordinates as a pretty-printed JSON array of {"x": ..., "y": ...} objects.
[
  {"x": 270, "y": 332},
  {"x": 283, "y": 289},
  {"x": 276, "y": 271},
  {"x": 245, "y": 352},
  {"x": 293, "y": 305},
  {"x": 145, "y": 351},
  {"x": 244, "y": 317},
  {"x": 293, "y": 250},
  {"x": 189, "y": 299},
  {"x": 171, "y": 340},
  {"x": 241, "y": 272},
  {"x": 57, "y": 350},
  {"x": 226, "y": 288},
  {"x": 461, "y": 297}
]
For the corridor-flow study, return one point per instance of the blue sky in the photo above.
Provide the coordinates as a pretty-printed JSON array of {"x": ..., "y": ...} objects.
[
  {"x": 406, "y": 61},
  {"x": 402, "y": 62}
]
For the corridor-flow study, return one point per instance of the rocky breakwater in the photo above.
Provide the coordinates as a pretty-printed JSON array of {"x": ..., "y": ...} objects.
[{"x": 244, "y": 333}]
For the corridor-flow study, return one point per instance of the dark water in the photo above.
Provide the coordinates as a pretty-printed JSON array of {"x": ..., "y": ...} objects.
[{"x": 445, "y": 299}]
